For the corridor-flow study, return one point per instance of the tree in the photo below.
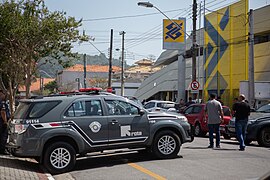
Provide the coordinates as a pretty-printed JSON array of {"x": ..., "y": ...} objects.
[
  {"x": 29, "y": 31},
  {"x": 51, "y": 86},
  {"x": 99, "y": 82}
]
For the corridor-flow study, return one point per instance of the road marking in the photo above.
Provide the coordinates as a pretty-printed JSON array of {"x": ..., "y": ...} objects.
[{"x": 146, "y": 171}]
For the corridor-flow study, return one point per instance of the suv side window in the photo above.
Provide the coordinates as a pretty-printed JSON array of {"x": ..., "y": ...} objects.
[
  {"x": 116, "y": 107},
  {"x": 84, "y": 108}
]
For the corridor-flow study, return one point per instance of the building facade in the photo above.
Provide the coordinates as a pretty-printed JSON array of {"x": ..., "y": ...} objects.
[{"x": 159, "y": 86}]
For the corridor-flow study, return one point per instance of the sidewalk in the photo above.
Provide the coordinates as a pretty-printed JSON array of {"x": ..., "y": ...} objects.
[{"x": 12, "y": 168}]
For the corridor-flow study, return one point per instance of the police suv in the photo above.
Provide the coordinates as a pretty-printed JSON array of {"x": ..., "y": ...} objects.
[{"x": 55, "y": 130}]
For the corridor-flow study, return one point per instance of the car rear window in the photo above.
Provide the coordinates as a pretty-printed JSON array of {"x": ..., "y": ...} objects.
[
  {"x": 34, "y": 109},
  {"x": 226, "y": 111},
  {"x": 197, "y": 109}
]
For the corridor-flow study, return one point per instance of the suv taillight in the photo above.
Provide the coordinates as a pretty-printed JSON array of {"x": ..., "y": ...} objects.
[
  {"x": 21, "y": 128},
  {"x": 18, "y": 127}
]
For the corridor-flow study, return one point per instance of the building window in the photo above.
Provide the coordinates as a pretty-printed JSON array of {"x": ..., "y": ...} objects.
[{"x": 261, "y": 38}]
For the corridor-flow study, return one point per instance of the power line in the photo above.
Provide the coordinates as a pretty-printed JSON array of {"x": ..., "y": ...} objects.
[
  {"x": 150, "y": 34},
  {"x": 130, "y": 16}
]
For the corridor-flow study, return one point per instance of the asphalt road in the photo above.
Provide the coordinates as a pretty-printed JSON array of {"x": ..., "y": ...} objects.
[{"x": 195, "y": 161}]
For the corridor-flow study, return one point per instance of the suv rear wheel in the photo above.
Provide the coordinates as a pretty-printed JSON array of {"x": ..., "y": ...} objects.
[
  {"x": 264, "y": 137},
  {"x": 59, "y": 157},
  {"x": 166, "y": 144}
]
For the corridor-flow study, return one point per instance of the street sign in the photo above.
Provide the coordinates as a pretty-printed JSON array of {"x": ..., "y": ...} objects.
[{"x": 194, "y": 85}]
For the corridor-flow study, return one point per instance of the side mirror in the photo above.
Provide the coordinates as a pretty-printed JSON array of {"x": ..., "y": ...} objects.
[
  {"x": 141, "y": 112},
  {"x": 252, "y": 110}
]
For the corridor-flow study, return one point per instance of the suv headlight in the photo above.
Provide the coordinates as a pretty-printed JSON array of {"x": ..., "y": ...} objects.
[
  {"x": 182, "y": 118},
  {"x": 251, "y": 121}
]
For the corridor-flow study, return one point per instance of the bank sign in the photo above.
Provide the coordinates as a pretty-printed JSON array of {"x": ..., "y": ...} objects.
[{"x": 174, "y": 36}]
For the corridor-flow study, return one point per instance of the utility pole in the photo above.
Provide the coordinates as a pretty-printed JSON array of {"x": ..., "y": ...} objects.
[
  {"x": 122, "y": 63},
  {"x": 84, "y": 70},
  {"x": 110, "y": 61},
  {"x": 194, "y": 48},
  {"x": 251, "y": 88}
]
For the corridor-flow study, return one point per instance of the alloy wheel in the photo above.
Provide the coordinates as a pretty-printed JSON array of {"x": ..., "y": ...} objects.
[{"x": 166, "y": 144}]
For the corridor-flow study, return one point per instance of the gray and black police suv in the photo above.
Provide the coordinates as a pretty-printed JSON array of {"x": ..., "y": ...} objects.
[{"x": 56, "y": 130}]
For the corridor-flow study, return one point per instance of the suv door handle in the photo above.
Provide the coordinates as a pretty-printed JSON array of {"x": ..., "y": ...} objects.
[{"x": 114, "y": 121}]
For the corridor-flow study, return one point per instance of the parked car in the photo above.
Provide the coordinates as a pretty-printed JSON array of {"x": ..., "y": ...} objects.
[
  {"x": 257, "y": 130},
  {"x": 196, "y": 116},
  {"x": 55, "y": 130},
  {"x": 132, "y": 98},
  {"x": 263, "y": 111},
  {"x": 157, "y": 105}
]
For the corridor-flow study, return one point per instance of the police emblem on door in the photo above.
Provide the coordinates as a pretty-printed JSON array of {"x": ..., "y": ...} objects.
[{"x": 95, "y": 126}]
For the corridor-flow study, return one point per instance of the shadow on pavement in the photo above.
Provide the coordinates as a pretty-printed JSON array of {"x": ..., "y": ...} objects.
[
  {"x": 220, "y": 149},
  {"x": 7, "y": 161},
  {"x": 113, "y": 160},
  {"x": 196, "y": 147}
]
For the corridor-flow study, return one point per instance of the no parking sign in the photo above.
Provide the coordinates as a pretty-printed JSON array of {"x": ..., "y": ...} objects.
[{"x": 194, "y": 85}]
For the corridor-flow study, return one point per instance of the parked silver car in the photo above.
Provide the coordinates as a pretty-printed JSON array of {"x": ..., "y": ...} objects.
[{"x": 157, "y": 105}]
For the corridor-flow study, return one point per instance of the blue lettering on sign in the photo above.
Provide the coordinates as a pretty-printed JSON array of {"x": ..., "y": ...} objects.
[{"x": 173, "y": 31}]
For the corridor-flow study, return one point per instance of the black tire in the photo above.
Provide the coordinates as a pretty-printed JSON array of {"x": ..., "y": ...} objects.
[
  {"x": 54, "y": 159},
  {"x": 198, "y": 130},
  {"x": 264, "y": 137},
  {"x": 226, "y": 136},
  {"x": 166, "y": 145},
  {"x": 247, "y": 142}
]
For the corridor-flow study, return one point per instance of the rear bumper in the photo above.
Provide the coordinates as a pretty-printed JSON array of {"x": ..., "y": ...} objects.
[{"x": 21, "y": 146}]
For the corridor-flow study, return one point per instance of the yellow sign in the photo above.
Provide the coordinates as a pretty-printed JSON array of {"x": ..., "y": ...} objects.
[{"x": 173, "y": 35}]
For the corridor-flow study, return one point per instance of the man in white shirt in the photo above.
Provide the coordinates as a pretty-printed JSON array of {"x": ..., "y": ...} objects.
[{"x": 213, "y": 109}]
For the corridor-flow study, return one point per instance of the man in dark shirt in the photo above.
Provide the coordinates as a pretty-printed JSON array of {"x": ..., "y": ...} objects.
[
  {"x": 3, "y": 123},
  {"x": 241, "y": 112},
  {"x": 189, "y": 102}
]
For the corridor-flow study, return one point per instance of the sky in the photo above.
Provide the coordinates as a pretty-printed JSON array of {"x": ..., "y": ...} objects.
[{"x": 143, "y": 26}]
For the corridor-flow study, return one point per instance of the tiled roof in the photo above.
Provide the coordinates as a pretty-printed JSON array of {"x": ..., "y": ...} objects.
[
  {"x": 36, "y": 85},
  {"x": 92, "y": 68}
]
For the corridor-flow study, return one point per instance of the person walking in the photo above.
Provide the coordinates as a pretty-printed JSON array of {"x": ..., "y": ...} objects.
[
  {"x": 214, "y": 111},
  {"x": 3, "y": 123},
  {"x": 241, "y": 111}
]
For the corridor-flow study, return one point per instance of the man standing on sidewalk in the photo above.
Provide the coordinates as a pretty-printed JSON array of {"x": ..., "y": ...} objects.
[
  {"x": 214, "y": 111},
  {"x": 241, "y": 112},
  {"x": 3, "y": 123}
]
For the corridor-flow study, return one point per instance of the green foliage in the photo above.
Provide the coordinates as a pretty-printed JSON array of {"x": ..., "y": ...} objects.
[
  {"x": 29, "y": 31},
  {"x": 51, "y": 87}
]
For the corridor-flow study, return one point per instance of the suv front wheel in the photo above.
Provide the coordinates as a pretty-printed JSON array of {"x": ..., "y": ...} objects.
[
  {"x": 59, "y": 157},
  {"x": 166, "y": 144}
]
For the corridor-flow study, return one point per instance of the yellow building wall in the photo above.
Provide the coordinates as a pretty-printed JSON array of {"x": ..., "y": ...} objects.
[{"x": 226, "y": 51}]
